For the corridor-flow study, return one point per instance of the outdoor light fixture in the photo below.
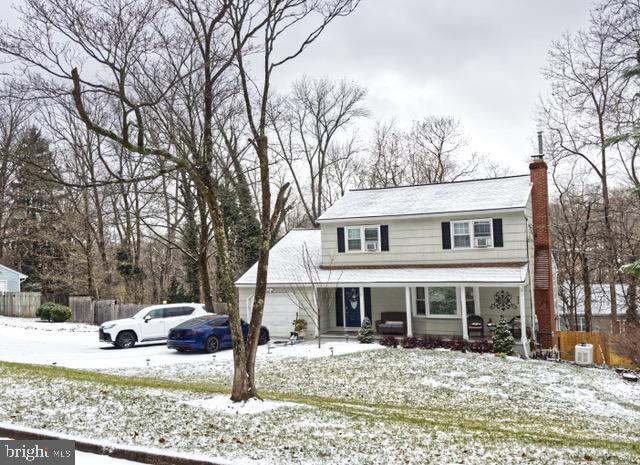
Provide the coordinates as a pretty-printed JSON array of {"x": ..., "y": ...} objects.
[
  {"x": 331, "y": 349},
  {"x": 214, "y": 357},
  {"x": 148, "y": 361}
]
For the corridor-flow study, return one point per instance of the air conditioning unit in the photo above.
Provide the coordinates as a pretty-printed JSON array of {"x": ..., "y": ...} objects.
[
  {"x": 584, "y": 354},
  {"x": 371, "y": 246},
  {"x": 482, "y": 242}
]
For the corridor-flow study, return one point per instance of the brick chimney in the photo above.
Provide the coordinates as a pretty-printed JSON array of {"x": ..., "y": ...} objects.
[{"x": 543, "y": 273}]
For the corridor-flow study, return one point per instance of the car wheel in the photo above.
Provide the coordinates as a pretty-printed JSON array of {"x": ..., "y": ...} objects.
[
  {"x": 264, "y": 337},
  {"x": 125, "y": 340},
  {"x": 212, "y": 345}
]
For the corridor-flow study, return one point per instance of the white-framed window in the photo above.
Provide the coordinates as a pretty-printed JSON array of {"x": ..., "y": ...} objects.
[
  {"x": 437, "y": 302},
  {"x": 471, "y": 234},
  {"x": 363, "y": 238},
  {"x": 354, "y": 238}
]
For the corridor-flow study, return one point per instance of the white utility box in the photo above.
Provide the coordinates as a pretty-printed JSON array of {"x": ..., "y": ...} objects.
[{"x": 584, "y": 354}]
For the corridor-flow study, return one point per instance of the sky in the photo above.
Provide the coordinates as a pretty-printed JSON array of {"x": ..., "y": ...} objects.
[{"x": 477, "y": 60}]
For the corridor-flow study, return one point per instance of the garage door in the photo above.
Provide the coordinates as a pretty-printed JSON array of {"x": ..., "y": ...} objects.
[{"x": 279, "y": 313}]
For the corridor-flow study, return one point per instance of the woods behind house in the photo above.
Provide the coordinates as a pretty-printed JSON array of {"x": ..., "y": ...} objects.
[{"x": 85, "y": 213}]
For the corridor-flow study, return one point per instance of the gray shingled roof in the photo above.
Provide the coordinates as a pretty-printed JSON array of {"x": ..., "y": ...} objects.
[{"x": 478, "y": 195}]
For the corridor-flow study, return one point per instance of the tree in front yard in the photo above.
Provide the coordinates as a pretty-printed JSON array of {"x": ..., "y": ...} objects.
[
  {"x": 502, "y": 339},
  {"x": 365, "y": 335}
]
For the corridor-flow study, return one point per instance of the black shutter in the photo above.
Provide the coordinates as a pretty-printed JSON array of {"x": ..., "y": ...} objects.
[
  {"x": 497, "y": 233},
  {"x": 384, "y": 238},
  {"x": 340, "y": 240},
  {"x": 446, "y": 235},
  {"x": 339, "y": 319},
  {"x": 367, "y": 302}
]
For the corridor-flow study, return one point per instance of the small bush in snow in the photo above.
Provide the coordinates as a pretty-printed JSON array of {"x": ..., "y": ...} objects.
[
  {"x": 365, "y": 335},
  {"x": 60, "y": 313},
  {"x": 389, "y": 341},
  {"x": 44, "y": 311},
  {"x": 409, "y": 342}
]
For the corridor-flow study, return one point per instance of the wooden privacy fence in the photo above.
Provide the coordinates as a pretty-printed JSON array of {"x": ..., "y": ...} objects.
[
  {"x": 22, "y": 304},
  {"x": 602, "y": 354},
  {"x": 96, "y": 312}
]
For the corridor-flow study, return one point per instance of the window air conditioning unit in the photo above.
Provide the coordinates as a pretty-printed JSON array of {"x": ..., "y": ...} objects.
[
  {"x": 371, "y": 246},
  {"x": 482, "y": 242},
  {"x": 584, "y": 354}
]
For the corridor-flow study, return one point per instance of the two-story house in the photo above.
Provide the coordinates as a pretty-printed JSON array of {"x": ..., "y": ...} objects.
[{"x": 438, "y": 253}]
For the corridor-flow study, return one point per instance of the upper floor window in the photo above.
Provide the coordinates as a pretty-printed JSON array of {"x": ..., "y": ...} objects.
[
  {"x": 363, "y": 238},
  {"x": 472, "y": 233}
]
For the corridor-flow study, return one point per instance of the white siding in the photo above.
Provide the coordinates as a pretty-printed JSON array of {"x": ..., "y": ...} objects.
[
  {"x": 419, "y": 240},
  {"x": 281, "y": 307}
]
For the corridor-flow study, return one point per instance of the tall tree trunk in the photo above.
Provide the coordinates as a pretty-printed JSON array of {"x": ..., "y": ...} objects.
[
  {"x": 586, "y": 285},
  {"x": 632, "y": 300},
  {"x": 206, "y": 294}
]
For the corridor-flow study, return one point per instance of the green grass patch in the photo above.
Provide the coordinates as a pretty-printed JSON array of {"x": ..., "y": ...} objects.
[{"x": 490, "y": 426}]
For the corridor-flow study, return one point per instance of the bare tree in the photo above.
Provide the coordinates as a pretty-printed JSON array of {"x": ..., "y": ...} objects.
[
  {"x": 587, "y": 83},
  {"x": 309, "y": 291},
  {"x": 575, "y": 248},
  {"x": 278, "y": 19},
  {"x": 434, "y": 150},
  {"x": 308, "y": 125}
]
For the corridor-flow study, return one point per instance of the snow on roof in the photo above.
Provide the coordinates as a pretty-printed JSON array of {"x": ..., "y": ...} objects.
[
  {"x": 462, "y": 196},
  {"x": 600, "y": 299},
  {"x": 295, "y": 259}
]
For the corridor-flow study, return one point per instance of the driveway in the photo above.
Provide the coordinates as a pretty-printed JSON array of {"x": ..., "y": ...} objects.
[
  {"x": 77, "y": 346},
  {"x": 72, "y": 345}
]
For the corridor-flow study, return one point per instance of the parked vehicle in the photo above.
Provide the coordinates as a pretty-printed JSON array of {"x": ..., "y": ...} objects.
[
  {"x": 151, "y": 324},
  {"x": 208, "y": 333}
]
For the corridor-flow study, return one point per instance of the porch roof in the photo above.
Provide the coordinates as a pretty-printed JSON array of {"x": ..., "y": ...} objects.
[{"x": 295, "y": 260}]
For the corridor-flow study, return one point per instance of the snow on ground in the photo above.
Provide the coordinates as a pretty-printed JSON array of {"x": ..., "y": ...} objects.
[
  {"x": 85, "y": 458},
  {"x": 223, "y": 404},
  {"x": 361, "y": 406},
  {"x": 72, "y": 345}
]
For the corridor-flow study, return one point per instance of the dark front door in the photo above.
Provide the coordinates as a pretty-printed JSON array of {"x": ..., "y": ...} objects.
[{"x": 352, "y": 306}]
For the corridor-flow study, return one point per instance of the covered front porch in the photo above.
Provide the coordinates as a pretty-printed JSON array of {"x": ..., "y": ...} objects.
[{"x": 469, "y": 311}]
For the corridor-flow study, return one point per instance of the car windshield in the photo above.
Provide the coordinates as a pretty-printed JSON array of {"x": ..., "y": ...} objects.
[
  {"x": 142, "y": 313},
  {"x": 210, "y": 319}
]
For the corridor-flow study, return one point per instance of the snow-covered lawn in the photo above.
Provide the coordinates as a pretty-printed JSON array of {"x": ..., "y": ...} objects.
[{"x": 369, "y": 407}]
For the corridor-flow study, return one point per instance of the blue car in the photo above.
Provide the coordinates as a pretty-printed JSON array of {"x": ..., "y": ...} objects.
[{"x": 208, "y": 333}]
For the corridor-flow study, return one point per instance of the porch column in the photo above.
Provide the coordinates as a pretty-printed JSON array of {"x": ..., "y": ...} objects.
[
  {"x": 407, "y": 304},
  {"x": 523, "y": 323},
  {"x": 463, "y": 306}
]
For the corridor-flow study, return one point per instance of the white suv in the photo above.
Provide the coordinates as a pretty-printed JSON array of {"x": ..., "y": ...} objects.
[{"x": 151, "y": 324}]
